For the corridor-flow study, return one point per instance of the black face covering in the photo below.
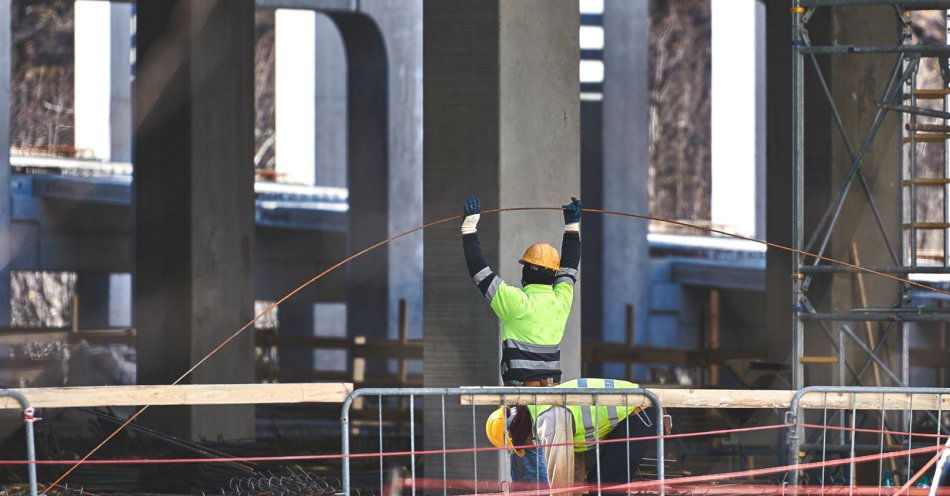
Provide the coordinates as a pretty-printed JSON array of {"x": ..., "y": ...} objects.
[{"x": 532, "y": 274}]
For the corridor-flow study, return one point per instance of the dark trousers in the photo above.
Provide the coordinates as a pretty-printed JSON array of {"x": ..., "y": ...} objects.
[{"x": 614, "y": 457}]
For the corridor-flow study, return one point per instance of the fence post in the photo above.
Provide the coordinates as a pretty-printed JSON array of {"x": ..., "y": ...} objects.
[{"x": 28, "y": 420}]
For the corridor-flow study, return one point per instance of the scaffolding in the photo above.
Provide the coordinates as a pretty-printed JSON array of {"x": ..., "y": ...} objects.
[{"x": 921, "y": 125}]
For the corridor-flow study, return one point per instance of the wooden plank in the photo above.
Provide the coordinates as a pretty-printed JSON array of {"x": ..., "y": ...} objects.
[
  {"x": 818, "y": 359},
  {"x": 724, "y": 398},
  {"x": 185, "y": 394}
]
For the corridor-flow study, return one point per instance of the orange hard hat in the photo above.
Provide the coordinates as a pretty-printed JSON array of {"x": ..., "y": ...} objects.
[{"x": 542, "y": 255}]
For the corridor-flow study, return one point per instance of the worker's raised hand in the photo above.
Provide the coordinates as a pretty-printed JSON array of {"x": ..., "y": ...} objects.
[
  {"x": 472, "y": 206},
  {"x": 472, "y": 210},
  {"x": 572, "y": 211}
]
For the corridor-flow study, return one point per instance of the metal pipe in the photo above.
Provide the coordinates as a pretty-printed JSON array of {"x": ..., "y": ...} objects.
[
  {"x": 923, "y": 50},
  {"x": 28, "y": 420},
  {"x": 876, "y": 317},
  {"x": 906, "y": 4},
  {"x": 887, "y": 269},
  {"x": 798, "y": 199}
]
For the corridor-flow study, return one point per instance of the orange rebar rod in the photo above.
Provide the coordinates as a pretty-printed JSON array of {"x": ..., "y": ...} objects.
[{"x": 403, "y": 234}]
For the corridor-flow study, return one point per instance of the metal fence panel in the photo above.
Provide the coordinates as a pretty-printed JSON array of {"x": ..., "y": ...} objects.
[
  {"x": 887, "y": 416},
  {"x": 509, "y": 396}
]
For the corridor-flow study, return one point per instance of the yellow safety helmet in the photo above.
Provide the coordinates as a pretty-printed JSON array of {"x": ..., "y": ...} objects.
[
  {"x": 497, "y": 432},
  {"x": 542, "y": 255}
]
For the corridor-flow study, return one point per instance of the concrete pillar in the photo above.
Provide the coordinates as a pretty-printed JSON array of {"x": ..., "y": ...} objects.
[
  {"x": 6, "y": 199},
  {"x": 504, "y": 125},
  {"x": 92, "y": 290},
  {"x": 103, "y": 79},
  {"x": 194, "y": 202},
  {"x": 624, "y": 267},
  {"x": 120, "y": 300},
  {"x": 857, "y": 83},
  {"x": 330, "y": 86},
  {"x": 295, "y": 95},
  {"x": 735, "y": 107},
  {"x": 104, "y": 299},
  {"x": 368, "y": 173},
  {"x": 295, "y": 319},
  {"x": 401, "y": 25}
]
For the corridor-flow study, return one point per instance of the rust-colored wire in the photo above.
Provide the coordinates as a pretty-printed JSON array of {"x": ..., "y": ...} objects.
[{"x": 450, "y": 219}]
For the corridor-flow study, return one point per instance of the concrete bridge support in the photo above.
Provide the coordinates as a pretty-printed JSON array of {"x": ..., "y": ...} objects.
[
  {"x": 194, "y": 121},
  {"x": 501, "y": 94}
]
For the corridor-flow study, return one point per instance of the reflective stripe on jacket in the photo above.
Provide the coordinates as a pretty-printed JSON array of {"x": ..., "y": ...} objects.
[
  {"x": 532, "y": 326},
  {"x": 594, "y": 423}
]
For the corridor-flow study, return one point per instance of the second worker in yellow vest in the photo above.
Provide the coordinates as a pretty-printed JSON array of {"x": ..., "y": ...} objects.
[{"x": 571, "y": 456}]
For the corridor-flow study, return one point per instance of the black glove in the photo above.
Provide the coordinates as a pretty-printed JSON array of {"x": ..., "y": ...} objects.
[
  {"x": 572, "y": 211},
  {"x": 473, "y": 206}
]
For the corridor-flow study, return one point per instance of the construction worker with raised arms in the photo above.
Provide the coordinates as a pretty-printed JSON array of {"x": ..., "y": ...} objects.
[
  {"x": 538, "y": 424},
  {"x": 533, "y": 317}
]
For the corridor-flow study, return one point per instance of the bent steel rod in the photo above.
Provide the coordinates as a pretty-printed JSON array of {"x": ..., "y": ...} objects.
[{"x": 445, "y": 220}]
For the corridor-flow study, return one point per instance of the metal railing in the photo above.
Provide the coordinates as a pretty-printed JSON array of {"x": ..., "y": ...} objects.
[
  {"x": 28, "y": 420},
  {"x": 869, "y": 433},
  {"x": 510, "y": 396}
]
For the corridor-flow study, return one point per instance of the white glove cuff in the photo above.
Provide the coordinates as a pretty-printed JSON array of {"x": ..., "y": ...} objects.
[
  {"x": 573, "y": 227},
  {"x": 468, "y": 225}
]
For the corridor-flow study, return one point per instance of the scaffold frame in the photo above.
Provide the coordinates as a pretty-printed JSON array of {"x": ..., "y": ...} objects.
[{"x": 898, "y": 96}]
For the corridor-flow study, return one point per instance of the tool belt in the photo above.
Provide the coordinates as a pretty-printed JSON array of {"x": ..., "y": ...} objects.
[{"x": 548, "y": 382}]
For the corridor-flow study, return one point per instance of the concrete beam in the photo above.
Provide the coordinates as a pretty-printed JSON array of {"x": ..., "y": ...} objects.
[
  {"x": 501, "y": 108},
  {"x": 194, "y": 202}
]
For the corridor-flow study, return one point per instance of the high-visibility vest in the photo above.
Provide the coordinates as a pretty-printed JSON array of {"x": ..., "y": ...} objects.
[
  {"x": 532, "y": 326},
  {"x": 593, "y": 423}
]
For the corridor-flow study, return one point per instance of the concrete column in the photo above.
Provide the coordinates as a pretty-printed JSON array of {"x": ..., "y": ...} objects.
[
  {"x": 103, "y": 79},
  {"x": 295, "y": 95},
  {"x": 194, "y": 202},
  {"x": 296, "y": 319},
  {"x": 6, "y": 199},
  {"x": 330, "y": 85},
  {"x": 503, "y": 124},
  {"x": 624, "y": 266},
  {"x": 401, "y": 25},
  {"x": 104, "y": 299},
  {"x": 857, "y": 84},
  {"x": 368, "y": 173},
  {"x": 734, "y": 116},
  {"x": 312, "y": 320},
  {"x": 92, "y": 289}
]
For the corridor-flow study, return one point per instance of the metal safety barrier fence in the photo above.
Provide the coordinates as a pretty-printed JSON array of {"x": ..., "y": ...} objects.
[
  {"x": 864, "y": 420},
  {"x": 509, "y": 396},
  {"x": 28, "y": 420}
]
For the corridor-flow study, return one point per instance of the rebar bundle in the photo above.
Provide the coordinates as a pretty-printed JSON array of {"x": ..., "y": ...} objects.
[{"x": 291, "y": 481}]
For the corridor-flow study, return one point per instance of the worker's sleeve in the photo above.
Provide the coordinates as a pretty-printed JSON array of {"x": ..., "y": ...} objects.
[
  {"x": 486, "y": 280},
  {"x": 567, "y": 274},
  {"x": 505, "y": 300}
]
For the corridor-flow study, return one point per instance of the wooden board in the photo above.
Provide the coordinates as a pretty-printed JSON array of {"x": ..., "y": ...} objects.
[
  {"x": 186, "y": 394},
  {"x": 727, "y": 398}
]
